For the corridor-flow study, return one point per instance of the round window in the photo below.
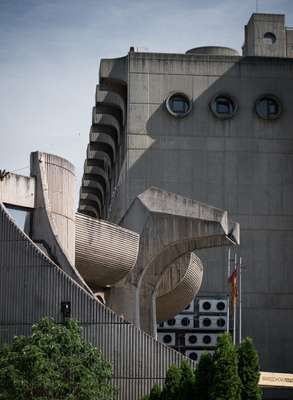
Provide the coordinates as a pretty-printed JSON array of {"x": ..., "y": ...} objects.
[
  {"x": 220, "y": 306},
  {"x": 269, "y": 38},
  {"x": 207, "y": 322},
  {"x": 193, "y": 356},
  {"x": 178, "y": 104},
  {"x": 171, "y": 322},
  {"x": 223, "y": 106},
  {"x": 185, "y": 321},
  {"x": 192, "y": 339},
  {"x": 207, "y": 339},
  {"x": 268, "y": 107},
  {"x": 167, "y": 339},
  {"x": 206, "y": 305},
  {"x": 221, "y": 322}
]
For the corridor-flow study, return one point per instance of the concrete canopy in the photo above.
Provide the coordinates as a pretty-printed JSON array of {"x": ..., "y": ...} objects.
[{"x": 170, "y": 226}]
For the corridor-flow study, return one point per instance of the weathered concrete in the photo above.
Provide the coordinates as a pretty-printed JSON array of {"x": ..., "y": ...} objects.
[
  {"x": 17, "y": 190},
  {"x": 169, "y": 226},
  {"x": 242, "y": 164},
  {"x": 105, "y": 252}
]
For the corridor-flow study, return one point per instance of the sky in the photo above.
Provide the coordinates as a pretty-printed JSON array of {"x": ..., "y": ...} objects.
[{"x": 50, "y": 52}]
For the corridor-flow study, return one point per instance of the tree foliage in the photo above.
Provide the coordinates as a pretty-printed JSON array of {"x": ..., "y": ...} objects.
[
  {"x": 228, "y": 374},
  {"x": 248, "y": 368},
  {"x": 171, "y": 388},
  {"x": 226, "y": 384},
  {"x": 155, "y": 393},
  {"x": 203, "y": 377},
  {"x": 53, "y": 363},
  {"x": 186, "y": 381}
]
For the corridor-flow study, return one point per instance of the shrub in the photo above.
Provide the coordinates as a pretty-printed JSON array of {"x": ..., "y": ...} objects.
[
  {"x": 248, "y": 369},
  {"x": 203, "y": 377},
  {"x": 53, "y": 363},
  {"x": 226, "y": 384},
  {"x": 171, "y": 388}
]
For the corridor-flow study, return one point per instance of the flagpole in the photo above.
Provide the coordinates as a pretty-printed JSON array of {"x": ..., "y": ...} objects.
[
  {"x": 234, "y": 305},
  {"x": 240, "y": 301},
  {"x": 228, "y": 297}
]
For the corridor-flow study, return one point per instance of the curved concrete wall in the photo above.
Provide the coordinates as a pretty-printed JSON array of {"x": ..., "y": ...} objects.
[
  {"x": 32, "y": 286},
  {"x": 53, "y": 223},
  {"x": 105, "y": 252},
  {"x": 172, "y": 302}
]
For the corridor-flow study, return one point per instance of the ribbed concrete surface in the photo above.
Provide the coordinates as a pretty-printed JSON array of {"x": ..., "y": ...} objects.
[
  {"x": 105, "y": 252},
  {"x": 31, "y": 286},
  {"x": 58, "y": 178},
  {"x": 173, "y": 302}
]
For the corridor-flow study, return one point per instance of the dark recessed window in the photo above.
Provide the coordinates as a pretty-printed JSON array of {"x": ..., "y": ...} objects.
[
  {"x": 171, "y": 322},
  {"x": 223, "y": 106},
  {"x": 221, "y": 322},
  {"x": 193, "y": 356},
  {"x": 178, "y": 104},
  {"x": 268, "y": 107},
  {"x": 206, "y": 305},
  {"x": 221, "y": 306},
  {"x": 269, "y": 38},
  {"x": 207, "y": 322},
  {"x": 167, "y": 339},
  {"x": 192, "y": 339},
  {"x": 185, "y": 321},
  {"x": 207, "y": 339}
]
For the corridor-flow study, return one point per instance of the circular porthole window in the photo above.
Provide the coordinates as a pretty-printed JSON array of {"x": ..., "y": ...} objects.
[
  {"x": 207, "y": 339},
  {"x": 178, "y": 105},
  {"x": 207, "y": 322},
  {"x": 268, "y": 107},
  {"x": 171, "y": 322},
  {"x": 206, "y": 305},
  {"x": 192, "y": 339},
  {"x": 185, "y": 321},
  {"x": 221, "y": 306},
  {"x": 193, "y": 356},
  {"x": 224, "y": 106},
  {"x": 269, "y": 38},
  {"x": 221, "y": 322},
  {"x": 167, "y": 339}
]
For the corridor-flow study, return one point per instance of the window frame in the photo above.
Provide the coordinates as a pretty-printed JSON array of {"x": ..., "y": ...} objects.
[
  {"x": 269, "y": 97},
  {"x": 168, "y": 104},
  {"x": 232, "y": 102}
]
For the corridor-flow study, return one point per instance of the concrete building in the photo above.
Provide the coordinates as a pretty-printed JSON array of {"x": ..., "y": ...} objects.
[
  {"x": 214, "y": 126},
  {"x": 63, "y": 264},
  {"x": 171, "y": 134}
]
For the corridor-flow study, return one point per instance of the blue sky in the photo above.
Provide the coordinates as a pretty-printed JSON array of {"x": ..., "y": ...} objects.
[{"x": 50, "y": 51}]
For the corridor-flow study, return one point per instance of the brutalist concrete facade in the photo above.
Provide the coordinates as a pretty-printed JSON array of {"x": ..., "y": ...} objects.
[{"x": 240, "y": 161}]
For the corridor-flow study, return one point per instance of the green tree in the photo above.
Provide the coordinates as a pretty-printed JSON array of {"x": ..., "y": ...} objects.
[
  {"x": 155, "y": 393},
  {"x": 226, "y": 384},
  {"x": 186, "y": 381},
  {"x": 171, "y": 390},
  {"x": 248, "y": 369},
  {"x": 53, "y": 363},
  {"x": 203, "y": 377}
]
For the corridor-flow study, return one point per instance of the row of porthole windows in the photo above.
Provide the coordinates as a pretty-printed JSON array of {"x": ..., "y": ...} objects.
[
  {"x": 224, "y": 106},
  {"x": 206, "y": 322},
  {"x": 192, "y": 339}
]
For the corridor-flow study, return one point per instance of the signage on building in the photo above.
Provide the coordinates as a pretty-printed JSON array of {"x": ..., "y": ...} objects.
[{"x": 277, "y": 380}]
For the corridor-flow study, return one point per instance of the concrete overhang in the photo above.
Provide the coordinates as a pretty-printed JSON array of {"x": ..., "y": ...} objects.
[{"x": 18, "y": 190}]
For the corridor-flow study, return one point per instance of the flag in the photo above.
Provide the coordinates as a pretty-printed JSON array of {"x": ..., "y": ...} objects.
[{"x": 234, "y": 288}]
